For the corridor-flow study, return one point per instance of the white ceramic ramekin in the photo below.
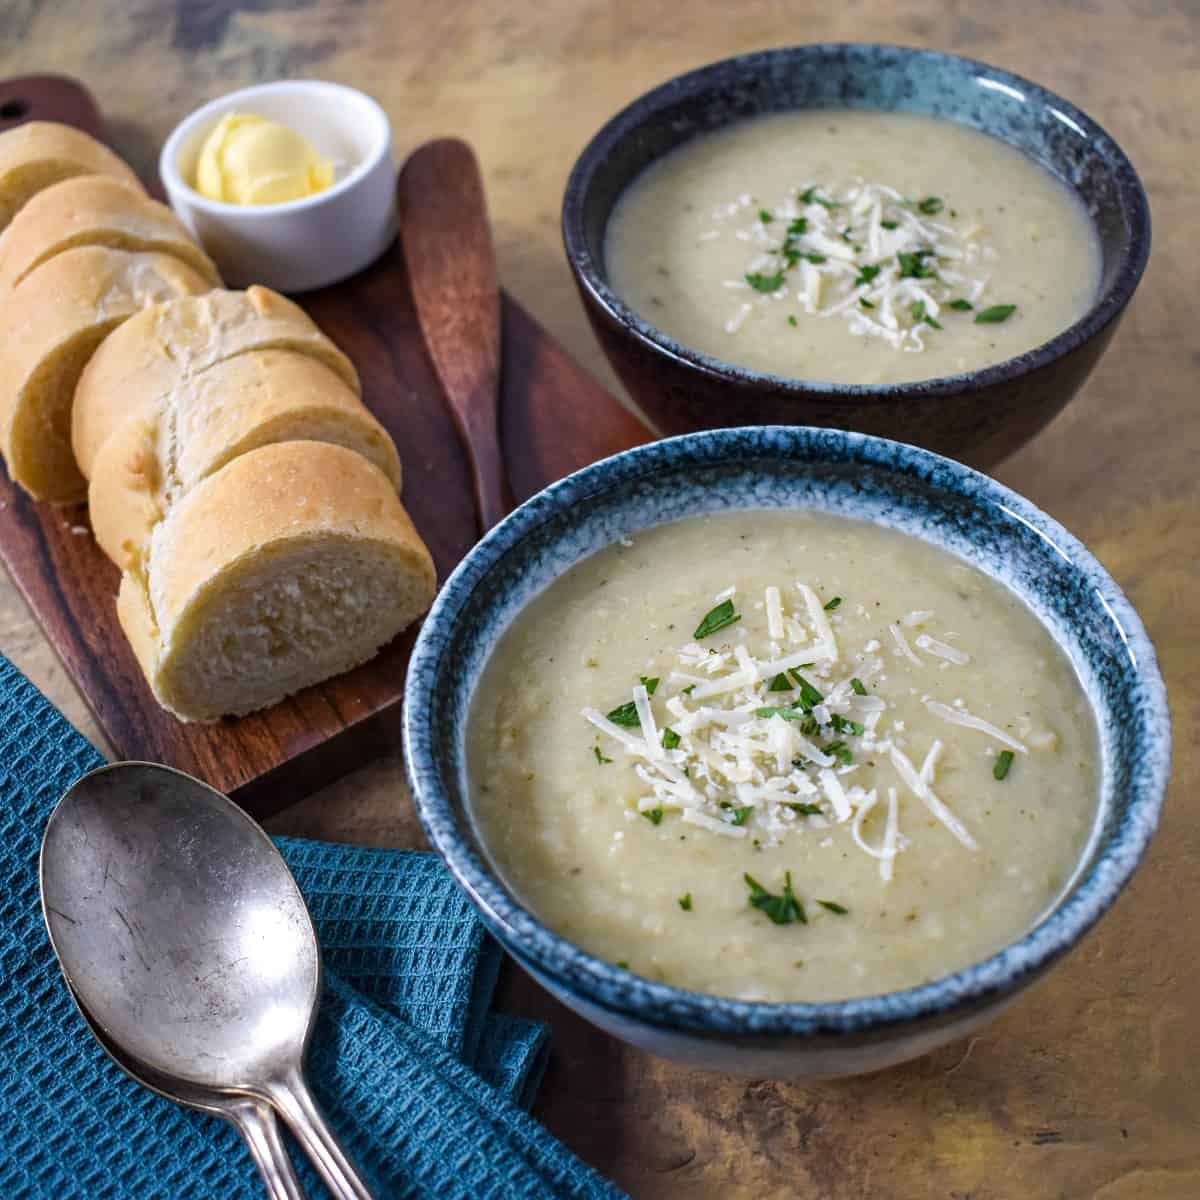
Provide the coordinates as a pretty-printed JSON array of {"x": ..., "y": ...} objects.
[{"x": 302, "y": 244}]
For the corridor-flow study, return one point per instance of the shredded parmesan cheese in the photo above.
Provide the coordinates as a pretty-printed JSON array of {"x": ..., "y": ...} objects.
[
  {"x": 774, "y": 614},
  {"x": 741, "y": 756},
  {"x": 903, "y": 646},
  {"x": 890, "y": 834},
  {"x": 960, "y": 716},
  {"x": 931, "y": 645},
  {"x": 641, "y": 702},
  {"x": 820, "y": 623},
  {"x": 925, "y": 793},
  {"x": 862, "y": 254}
]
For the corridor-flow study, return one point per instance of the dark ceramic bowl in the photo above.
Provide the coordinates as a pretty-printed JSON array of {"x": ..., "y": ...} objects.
[
  {"x": 932, "y": 498},
  {"x": 978, "y": 416}
]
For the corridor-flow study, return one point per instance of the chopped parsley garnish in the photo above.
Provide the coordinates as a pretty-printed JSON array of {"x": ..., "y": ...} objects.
[
  {"x": 890, "y": 224},
  {"x": 914, "y": 266},
  {"x": 834, "y": 907},
  {"x": 798, "y": 227},
  {"x": 805, "y": 809},
  {"x": 809, "y": 696},
  {"x": 815, "y": 258},
  {"x": 739, "y": 815},
  {"x": 866, "y": 274},
  {"x": 1000, "y": 767},
  {"x": 917, "y": 308},
  {"x": 931, "y": 205},
  {"x": 841, "y": 752},
  {"x": 858, "y": 687},
  {"x": 685, "y": 902},
  {"x": 670, "y": 739},
  {"x": 654, "y": 815},
  {"x": 809, "y": 196},
  {"x": 960, "y": 305},
  {"x": 687, "y": 691},
  {"x": 846, "y": 235},
  {"x": 788, "y": 713},
  {"x": 625, "y": 714},
  {"x": 601, "y": 757},
  {"x": 765, "y": 283},
  {"x": 865, "y": 302},
  {"x": 781, "y": 910},
  {"x": 648, "y": 684},
  {"x": 995, "y": 314},
  {"x": 716, "y": 618},
  {"x": 765, "y": 217},
  {"x": 834, "y": 604},
  {"x": 781, "y": 683},
  {"x": 792, "y": 321},
  {"x": 845, "y": 725}
]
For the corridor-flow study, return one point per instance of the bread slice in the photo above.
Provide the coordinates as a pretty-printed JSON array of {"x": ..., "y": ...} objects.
[
  {"x": 94, "y": 210},
  {"x": 53, "y": 321},
  {"x": 38, "y": 154},
  {"x": 150, "y": 356},
  {"x": 157, "y": 457},
  {"x": 293, "y": 563}
]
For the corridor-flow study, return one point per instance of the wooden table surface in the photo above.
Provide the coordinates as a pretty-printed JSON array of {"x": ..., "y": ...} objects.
[{"x": 1089, "y": 1087}]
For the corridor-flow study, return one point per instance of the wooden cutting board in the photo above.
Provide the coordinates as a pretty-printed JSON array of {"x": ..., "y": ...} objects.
[{"x": 554, "y": 419}]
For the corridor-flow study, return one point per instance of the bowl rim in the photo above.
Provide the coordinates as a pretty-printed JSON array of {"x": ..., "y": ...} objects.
[
  {"x": 213, "y": 110},
  {"x": 618, "y": 991},
  {"x": 591, "y": 276}
]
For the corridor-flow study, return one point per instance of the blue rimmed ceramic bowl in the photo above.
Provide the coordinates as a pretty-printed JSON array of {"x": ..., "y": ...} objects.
[
  {"x": 979, "y": 416},
  {"x": 900, "y": 486}
]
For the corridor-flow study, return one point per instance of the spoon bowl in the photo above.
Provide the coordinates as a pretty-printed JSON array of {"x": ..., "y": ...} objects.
[
  {"x": 187, "y": 944},
  {"x": 179, "y": 926}
]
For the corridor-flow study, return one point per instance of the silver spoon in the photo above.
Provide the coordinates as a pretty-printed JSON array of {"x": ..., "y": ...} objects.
[
  {"x": 252, "y": 1118},
  {"x": 188, "y": 944}
]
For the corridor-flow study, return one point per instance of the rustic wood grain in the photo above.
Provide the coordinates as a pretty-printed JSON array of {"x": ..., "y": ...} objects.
[
  {"x": 1090, "y": 1087},
  {"x": 451, "y": 263},
  {"x": 272, "y": 758}
]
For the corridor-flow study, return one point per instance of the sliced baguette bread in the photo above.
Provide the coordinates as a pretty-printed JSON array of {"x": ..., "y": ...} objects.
[
  {"x": 38, "y": 154},
  {"x": 53, "y": 321},
  {"x": 293, "y": 563},
  {"x": 157, "y": 457},
  {"x": 94, "y": 210},
  {"x": 154, "y": 353}
]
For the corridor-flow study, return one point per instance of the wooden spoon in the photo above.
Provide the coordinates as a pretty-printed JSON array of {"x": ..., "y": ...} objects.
[{"x": 452, "y": 272}]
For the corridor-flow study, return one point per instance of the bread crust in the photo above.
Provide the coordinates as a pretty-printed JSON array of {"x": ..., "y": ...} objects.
[
  {"x": 94, "y": 210},
  {"x": 156, "y": 458},
  {"x": 53, "y": 321},
  {"x": 38, "y": 154},
  {"x": 154, "y": 353},
  {"x": 286, "y": 494}
]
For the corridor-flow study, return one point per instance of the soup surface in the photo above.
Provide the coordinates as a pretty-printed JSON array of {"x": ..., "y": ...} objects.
[
  {"x": 853, "y": 247},
  {"x": 782, "y": 756}
]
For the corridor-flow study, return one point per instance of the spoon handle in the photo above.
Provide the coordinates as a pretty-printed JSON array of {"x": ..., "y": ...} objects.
[
  {"x": 452, "y": 272},
  {"x": 296, "y": 1105},
  {"x": 256, "y": 1123}
]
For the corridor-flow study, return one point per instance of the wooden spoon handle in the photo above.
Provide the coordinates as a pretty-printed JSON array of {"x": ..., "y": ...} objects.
[{"x": 452, "y": 271}]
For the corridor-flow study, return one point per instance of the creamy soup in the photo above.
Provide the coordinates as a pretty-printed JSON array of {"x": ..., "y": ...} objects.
[
  {"x": 782, "y": 756},
  {"x": 853, "y": 247}
]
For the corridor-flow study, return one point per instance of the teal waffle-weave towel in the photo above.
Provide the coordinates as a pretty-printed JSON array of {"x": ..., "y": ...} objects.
[{"x": 422, "y": 1082}]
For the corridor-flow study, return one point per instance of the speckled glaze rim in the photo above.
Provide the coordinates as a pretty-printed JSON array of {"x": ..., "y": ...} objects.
[
  {"x": 432, "y": 673},
  {"x": 1106, "y": 308}
]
